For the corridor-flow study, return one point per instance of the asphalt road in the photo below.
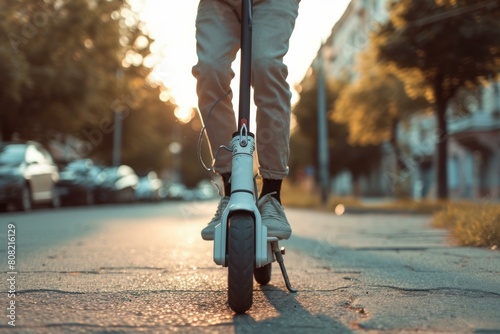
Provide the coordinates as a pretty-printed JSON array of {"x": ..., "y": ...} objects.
[{"x": 143, "y": 268}]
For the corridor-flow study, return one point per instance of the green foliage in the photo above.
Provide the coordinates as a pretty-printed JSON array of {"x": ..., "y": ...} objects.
[
  {"x": 446, "y": 43},
  {"x": 359, "y": 159},
  {"x": 374, "y": 103},
  {"x": 302, "y": 154},
  {"x": 60, "y": 42},
  {"x": 67, "y": 67},
  {"x": 14, "y": 72},
  {"x": 437, "y": 47},
  {"x": 147, "y": 126},
  {"x": 191, "y": 169}
]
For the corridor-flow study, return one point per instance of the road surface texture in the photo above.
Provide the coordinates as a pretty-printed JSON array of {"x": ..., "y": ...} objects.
[{"x": 143, "y": 268}]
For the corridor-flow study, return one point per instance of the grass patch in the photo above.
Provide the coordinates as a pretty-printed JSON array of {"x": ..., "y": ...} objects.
[
  {"x": 300, "y": 198},
  {"x": 412, "y": 206},
  {"x": 471, "y": 224},
  {"x": 303, "y": 199}
]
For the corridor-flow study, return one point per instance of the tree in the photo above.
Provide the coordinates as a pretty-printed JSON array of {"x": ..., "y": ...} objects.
[
  {"x": 358, "y": 159},
  {"x": 188, "y": 135},
  {"x": 437, "y": 47},
  {"x": 374, "y": 105},
  {"x": 67, "y": 61},
  {"x": 13, "y": 67},
  {"x": 302, "y": 154},
  {"x": 147, "y": 124},
  {"x": 70, "y": 51},
  {"x": 68, "y": 66}
]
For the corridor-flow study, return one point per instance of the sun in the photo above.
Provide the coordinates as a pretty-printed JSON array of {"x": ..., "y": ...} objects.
[{"x": 184, "y": 111}]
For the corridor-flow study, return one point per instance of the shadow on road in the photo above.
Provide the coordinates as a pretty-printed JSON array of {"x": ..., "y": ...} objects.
[{"x": 293, "y": 317}]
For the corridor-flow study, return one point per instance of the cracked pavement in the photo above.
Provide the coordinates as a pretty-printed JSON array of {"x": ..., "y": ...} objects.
[{"x": 144, "y": 268}]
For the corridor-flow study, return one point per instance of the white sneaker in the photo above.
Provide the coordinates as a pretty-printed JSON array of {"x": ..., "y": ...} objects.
[
  {"x": 208, "y": 232},
  {"x": 273, "y": 216}
]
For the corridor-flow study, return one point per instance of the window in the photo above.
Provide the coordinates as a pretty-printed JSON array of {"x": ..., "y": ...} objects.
[{"x": 12, "y": 154}]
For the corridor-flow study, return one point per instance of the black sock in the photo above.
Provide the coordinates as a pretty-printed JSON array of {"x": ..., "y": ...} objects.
[
  {"x": 270, "y": 186},
  {"x": 226, "y": 182}
]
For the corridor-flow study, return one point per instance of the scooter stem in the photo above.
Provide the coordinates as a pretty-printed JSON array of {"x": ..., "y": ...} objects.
[{"x": 246, "y": 65}]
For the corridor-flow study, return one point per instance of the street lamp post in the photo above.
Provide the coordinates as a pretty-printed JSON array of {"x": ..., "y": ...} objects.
[
  {"x": 119, "y": 111},
  {"x": 323, "y": 156},
  {"x": 117, "y": 137},
  {"x": 175, "y": 149}
]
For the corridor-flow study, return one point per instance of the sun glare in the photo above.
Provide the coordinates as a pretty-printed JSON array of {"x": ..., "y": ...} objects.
[
  {"x": 184, "y": 114},
  {"x": 174, "y": 46},
  {"x": 164, "y": 96}
]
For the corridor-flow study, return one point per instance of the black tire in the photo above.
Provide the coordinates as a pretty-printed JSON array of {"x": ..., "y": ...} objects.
[
  {"x": 241, "y": 256},
  {"x": 88, "y": 199},
  {"x": 263, "y": 274},
  {"x": 25, "y": 203},
  {"x": 55, "y": 201}
]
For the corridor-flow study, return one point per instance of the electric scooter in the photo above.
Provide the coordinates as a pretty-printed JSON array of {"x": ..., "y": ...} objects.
[{"x": 240, "y": 242}]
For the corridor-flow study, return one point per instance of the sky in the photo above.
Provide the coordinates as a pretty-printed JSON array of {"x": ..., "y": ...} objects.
[{"x": 171, "y": 23}]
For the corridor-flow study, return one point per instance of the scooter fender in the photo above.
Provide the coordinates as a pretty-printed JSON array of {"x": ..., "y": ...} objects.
[{"x": 221, "y": 232}]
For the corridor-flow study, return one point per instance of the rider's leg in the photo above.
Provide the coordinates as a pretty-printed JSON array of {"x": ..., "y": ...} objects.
[
  {"x": 273, "y": 187},
  {"x": 272, "y": 26},
  {"x": 218, "y": 40},
  {"x": 273, "y": 23}
]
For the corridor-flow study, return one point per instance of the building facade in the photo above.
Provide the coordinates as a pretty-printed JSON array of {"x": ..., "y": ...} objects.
[{"x": 473, "y": 140}]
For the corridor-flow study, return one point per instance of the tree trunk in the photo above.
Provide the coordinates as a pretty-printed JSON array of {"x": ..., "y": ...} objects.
[
  {"x": 399, "y": 166},
  {"x": 356, "y": 187},
  {"x": 394, "y": 143},
  {"x": 5, "y": 129},
  {"x": 441, "y": 144}
]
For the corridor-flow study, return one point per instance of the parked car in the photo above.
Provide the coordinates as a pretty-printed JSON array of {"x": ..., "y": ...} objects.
[
  {"x": 118, "y": 185},
  {"x": 28, "y": 176},
  {"x": 176, "y": 191},
  {"x": 205, "y": 190},
  {"x": 78, "y": 182},
  {"x": 150, "y": 188}
]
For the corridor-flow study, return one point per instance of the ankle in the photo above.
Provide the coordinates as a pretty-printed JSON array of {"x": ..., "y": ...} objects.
[
  {"x": 226, "y": 184},
  {"x": 273, "y": 187}
]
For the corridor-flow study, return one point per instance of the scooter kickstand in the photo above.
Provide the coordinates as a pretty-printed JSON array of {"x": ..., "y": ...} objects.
[{"x": 279, "y": 258}]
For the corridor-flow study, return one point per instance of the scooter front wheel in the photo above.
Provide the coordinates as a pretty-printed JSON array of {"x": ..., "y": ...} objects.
[{"x": 241, "y": 259}]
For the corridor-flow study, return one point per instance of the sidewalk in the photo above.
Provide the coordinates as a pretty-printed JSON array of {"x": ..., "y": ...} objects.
[{"x": 403, "y": 275}]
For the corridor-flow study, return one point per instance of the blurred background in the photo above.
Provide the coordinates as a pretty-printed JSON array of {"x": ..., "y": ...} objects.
[{"x": 391, "y": 99}]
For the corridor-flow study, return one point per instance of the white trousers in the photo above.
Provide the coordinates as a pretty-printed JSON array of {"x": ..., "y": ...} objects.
[{"x": 218, "y": 41}]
